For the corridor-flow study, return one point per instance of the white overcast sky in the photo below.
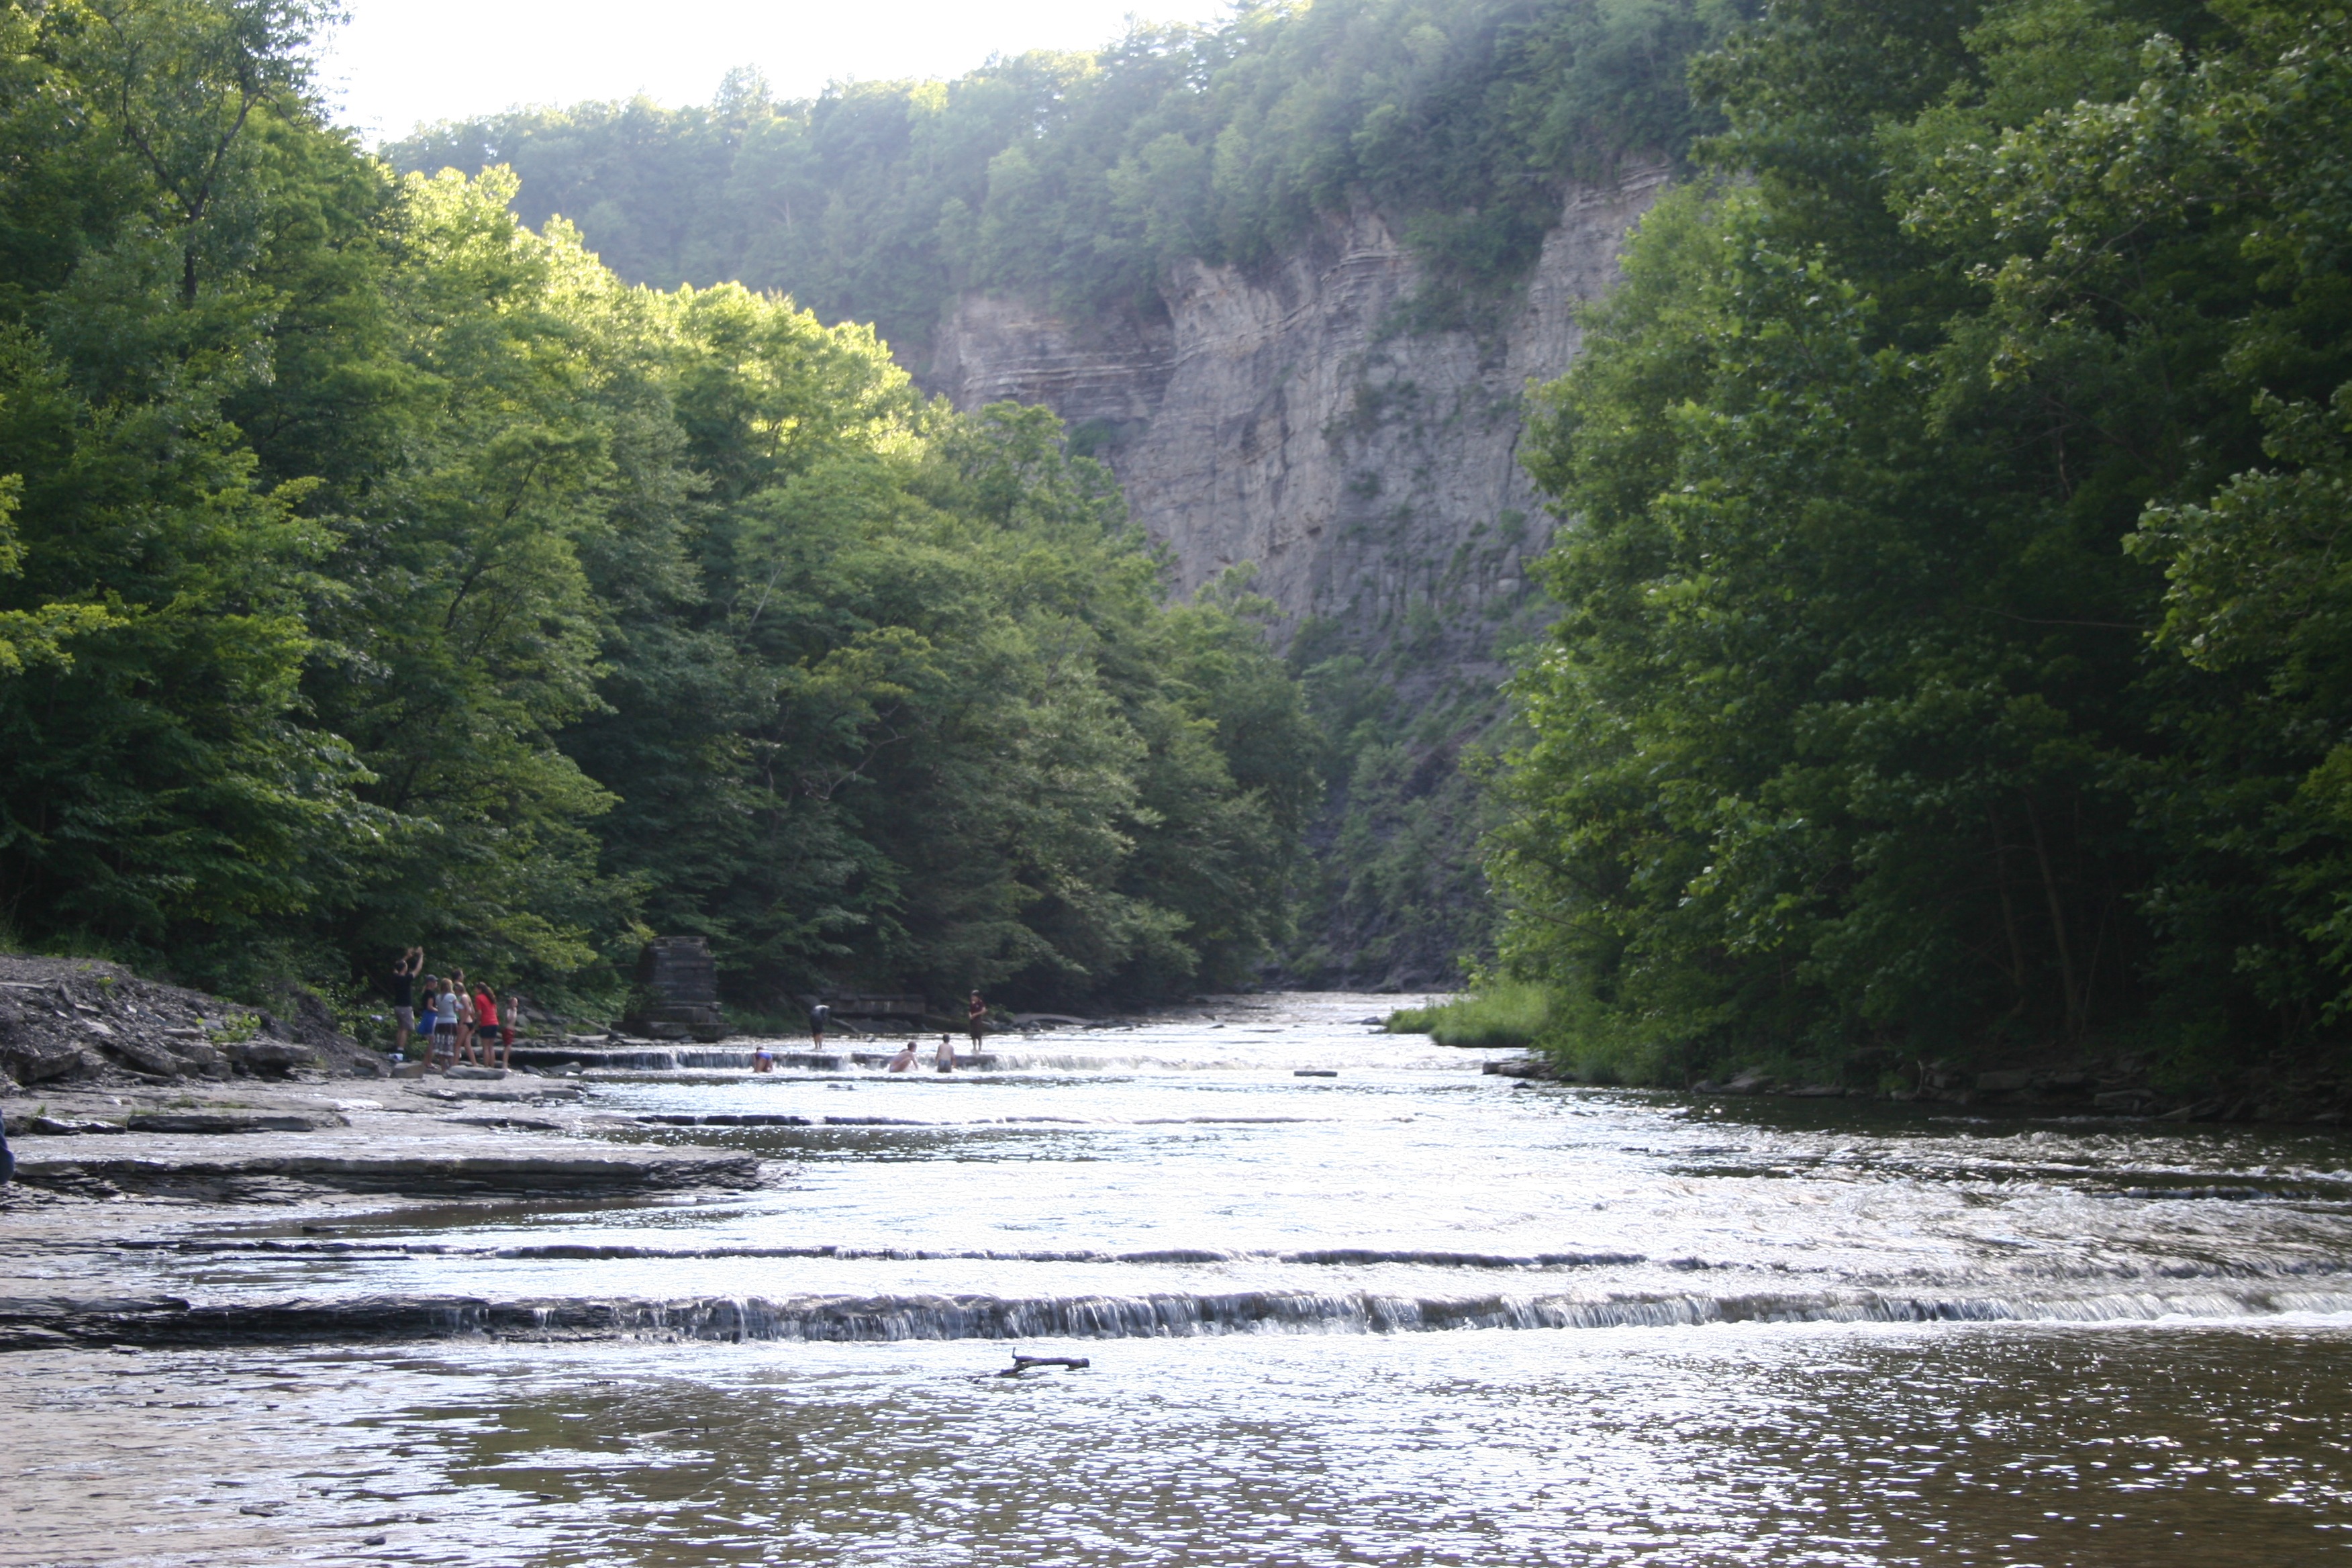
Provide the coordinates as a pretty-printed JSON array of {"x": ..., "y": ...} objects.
[{"x": 397, "y": 62}]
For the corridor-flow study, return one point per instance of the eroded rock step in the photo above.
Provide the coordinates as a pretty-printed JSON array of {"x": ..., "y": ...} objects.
[
  {"x": 605, "y": 1172},
  {"x": 650, "y": 1058},
  {"x": 137, "y": 1322},
  {"x": 179, "y": 1123}
]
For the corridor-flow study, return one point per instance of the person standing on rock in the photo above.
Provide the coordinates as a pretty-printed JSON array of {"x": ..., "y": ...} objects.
[
  {"x": 444, "y": 1051},
  {"x": 513, "y": 1021},
  {"x": 819, "y": 1017},
  {"x": 404, "y": 998},
  {"x": 465, "y": 1012},
  {"x": 486, "y": 1026},
  {"x": 975, "y": 1014}
]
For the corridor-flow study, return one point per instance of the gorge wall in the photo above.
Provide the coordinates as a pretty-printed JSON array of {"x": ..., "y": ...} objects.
[{"x": 1285, "y": 417}]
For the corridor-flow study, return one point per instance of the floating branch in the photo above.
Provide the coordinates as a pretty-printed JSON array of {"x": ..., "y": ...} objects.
[{"x": 1021, "y": 1363}]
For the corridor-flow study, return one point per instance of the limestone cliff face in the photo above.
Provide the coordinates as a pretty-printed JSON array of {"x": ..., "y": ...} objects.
[{"x": 1283, "y": 417}]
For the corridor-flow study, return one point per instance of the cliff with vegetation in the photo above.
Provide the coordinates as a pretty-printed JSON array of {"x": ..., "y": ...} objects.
[
  {"x": 376, "y": 570},
  {"x": 1289, "y": 278},
  {"x": 1280, "y": 419},
  {"x": 1283, "y": 418},
  {"x": 1944, "y": 677}
]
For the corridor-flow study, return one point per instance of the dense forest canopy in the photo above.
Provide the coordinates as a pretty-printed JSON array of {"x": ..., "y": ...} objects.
[
  {"x": 375, "y": 570},
  {"x": 1077, "y": 179},
  {"x": 1081, "y": 181},
  {"x": 1954, "y": 657},
  {"x": 1951, "y": 663}
]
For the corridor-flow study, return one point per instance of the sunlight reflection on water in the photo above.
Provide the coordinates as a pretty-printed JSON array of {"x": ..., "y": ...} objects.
[{"x": 1180, "y": 1170}]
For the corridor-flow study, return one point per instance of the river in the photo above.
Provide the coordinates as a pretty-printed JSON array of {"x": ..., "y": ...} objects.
[{"x": 1408, "y": 1314}]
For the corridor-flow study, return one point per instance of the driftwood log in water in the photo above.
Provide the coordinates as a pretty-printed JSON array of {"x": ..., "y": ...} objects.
[{"x": 1021, "y": 1363}]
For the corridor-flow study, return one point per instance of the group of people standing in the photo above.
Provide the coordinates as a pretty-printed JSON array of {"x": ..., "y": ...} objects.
[{"x": 459, "y": 1022}]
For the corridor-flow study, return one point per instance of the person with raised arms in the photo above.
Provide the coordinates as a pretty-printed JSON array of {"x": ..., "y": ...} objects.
[{"x": 404, "y": 998}]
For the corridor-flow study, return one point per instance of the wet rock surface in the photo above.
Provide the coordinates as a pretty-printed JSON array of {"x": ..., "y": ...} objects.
[
  {"x": 252, "y": 1142},
  {"x": 102, "y": 1173}
]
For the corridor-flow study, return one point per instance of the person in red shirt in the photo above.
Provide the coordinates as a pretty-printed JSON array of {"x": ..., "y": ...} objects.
[{"x": 487, "y": 1033}]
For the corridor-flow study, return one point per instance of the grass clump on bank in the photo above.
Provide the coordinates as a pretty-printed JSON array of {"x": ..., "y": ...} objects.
[{"x": 1512, "y": 1013}]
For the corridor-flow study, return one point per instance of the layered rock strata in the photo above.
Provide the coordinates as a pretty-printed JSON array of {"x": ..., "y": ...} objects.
[
  {"x": 1288, "y": 418},
  {"x": 73, "y": 1019}
]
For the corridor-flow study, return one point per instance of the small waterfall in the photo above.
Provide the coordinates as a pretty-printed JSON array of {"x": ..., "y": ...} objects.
[
  {"x": 1155, "y": 1315},
  {"x": 736, "y": 1319}
]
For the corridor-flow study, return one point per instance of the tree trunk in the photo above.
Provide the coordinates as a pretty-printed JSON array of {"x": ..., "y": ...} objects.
[{"x": 2057, "y": 924}]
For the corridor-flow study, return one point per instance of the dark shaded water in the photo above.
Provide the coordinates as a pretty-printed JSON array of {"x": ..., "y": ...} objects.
[{"x": 1841, "y": 1336}]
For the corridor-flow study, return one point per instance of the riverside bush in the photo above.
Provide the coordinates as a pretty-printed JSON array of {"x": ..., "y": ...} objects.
[{"x": 1509, "y": 1014}]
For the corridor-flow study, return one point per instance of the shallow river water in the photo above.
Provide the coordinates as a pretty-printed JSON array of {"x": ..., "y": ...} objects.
[{"x": 1410, "y": 1314}]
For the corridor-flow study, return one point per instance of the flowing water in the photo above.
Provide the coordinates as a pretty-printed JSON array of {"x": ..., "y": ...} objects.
[{"x": 1407, "y": 1314}]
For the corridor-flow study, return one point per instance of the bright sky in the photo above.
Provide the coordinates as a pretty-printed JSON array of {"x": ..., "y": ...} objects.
[{"x": 401, "y": 61}]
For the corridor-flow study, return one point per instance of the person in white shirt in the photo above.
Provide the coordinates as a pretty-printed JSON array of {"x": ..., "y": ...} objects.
[{"x": 445, "y": 1026}]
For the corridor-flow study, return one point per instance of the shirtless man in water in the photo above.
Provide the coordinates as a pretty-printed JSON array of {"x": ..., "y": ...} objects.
[{"x": 905, "y": 1060}]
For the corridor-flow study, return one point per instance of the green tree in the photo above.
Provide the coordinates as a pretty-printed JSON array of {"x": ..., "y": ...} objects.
[
  {"x": 373, "y": 569},
  {"x": 1861, "y": 739}
]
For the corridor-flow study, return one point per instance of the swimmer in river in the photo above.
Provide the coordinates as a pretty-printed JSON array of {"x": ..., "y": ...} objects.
[
  {"x": 762, "y": 1058},
  {"x": 946, "y": 1058},
  {"x": 905, "y": 1060}
]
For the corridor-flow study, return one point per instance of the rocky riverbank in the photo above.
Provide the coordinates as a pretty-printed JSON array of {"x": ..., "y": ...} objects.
[{"x": 82, "y": 1020}]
